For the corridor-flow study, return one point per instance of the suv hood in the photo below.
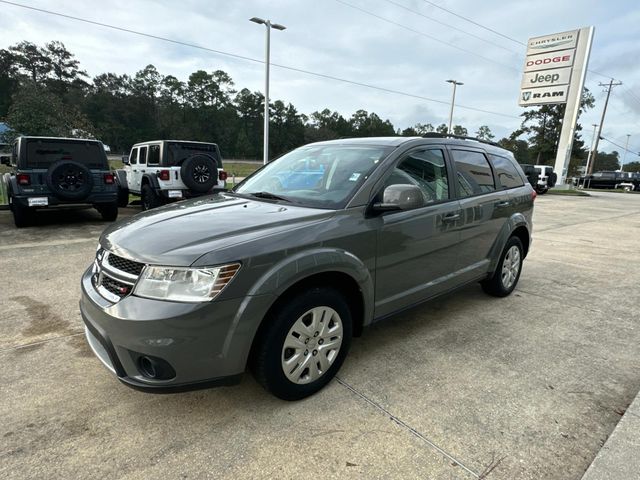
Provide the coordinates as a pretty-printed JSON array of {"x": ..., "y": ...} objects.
[{"x": 180, "y": 233}]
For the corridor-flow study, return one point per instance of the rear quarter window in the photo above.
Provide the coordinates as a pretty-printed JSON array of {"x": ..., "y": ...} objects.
[
  {"x": 44, "y": 153},
  {"x": 474, "y": 175},
  {"x": 506, "y": 171}
]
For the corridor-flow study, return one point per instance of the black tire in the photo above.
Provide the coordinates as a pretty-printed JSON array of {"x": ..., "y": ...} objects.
[
  {"x": 199, "y": 173},
  {"x": 552, "y": 180},
  {"x": 123, "y": 196},
  {"x": 495, "y": 285},
  {"x": 108, "y": 211},
  {"x": 269, "y": 351},
  {"x": 22, "y": 216},
  {"x": 540, "y": 190},
  {"x": 149, "y": 198},
  {"x": 69, "y": 180}
]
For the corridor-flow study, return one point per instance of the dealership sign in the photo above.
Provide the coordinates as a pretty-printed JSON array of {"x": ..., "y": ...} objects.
[
  {"x": 549, "y": 63},
  {"x": 554, "y": 71}
]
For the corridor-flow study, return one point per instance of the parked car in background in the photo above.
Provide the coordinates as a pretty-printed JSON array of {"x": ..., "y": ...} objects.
[
  {"x": 546, "y": 177},
  {"x": 50, "y": 172},
  {"x": 280, "y": 273},
  {"x": 611, "y": 180},
  {"x": 163, "y": 171}
]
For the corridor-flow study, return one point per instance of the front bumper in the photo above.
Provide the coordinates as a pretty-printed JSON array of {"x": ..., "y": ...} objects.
[{"x": 206, "y": 344}]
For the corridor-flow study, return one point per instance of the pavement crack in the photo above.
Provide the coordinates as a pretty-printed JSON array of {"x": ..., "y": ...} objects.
[{"x": 408, "y": 427}]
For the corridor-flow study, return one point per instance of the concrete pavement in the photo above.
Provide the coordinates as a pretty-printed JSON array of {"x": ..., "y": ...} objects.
[{"x": 466, "y": 386}]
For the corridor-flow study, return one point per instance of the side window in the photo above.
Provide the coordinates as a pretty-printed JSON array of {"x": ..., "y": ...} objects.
[
  {"x": 142, "y": 156},
  {"x": 474, "y": 173},
  {"x": 14, "y": 154},
  {"x": 154, "y": 155},
  {"x": 133, "y": 159},
  {"x": 425, "y": 169},
  {"x": 506, "y": 171}
]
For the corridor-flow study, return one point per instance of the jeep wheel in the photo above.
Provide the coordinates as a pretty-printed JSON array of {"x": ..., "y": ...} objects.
[
  {"x": 304, "y": 344},
  {"x": 22, "y": 216},
  {"x": 507, "y": 273},
  {"x": 123, "y": 196},
  {"x": 149, "y": 198},
  {"x": 69, "y": 180},
  {"x": 540, "y": 190},
  {"x": 199, "y": 173},
  {"x": 108, "y": 211}
]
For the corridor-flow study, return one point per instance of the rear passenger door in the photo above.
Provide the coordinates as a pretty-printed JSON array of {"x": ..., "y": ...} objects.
[
  {"x": 417, "y": 249},
  {"x": 484, "y": 209}
]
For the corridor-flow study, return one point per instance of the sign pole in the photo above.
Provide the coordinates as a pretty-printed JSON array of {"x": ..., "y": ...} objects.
[{"x": 572, "y": 110}]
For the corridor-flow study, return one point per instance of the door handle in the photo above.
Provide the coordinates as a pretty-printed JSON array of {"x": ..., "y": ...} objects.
[
  {"x": 506, "y": 203},
  {"x": 450, "y": 217},
  {"x": 135, "y": 170}
]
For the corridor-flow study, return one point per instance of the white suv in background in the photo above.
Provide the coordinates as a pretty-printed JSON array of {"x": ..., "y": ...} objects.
[{"x": 161, "y": 171}]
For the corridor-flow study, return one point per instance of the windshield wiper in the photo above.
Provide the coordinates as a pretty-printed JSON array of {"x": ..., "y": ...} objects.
[{"x": 268, "y": 195}]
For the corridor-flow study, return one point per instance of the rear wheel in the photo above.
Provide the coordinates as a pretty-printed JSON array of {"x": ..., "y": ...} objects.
[
  {"x": 123, "y": 196},
  {"x": 149, "y": 198},
  {"x": 109, "y": 211},
  {"x": 507, "y": 273},
  {"x": 22, "y": 216},
  {"x": 305, "y": 341}
]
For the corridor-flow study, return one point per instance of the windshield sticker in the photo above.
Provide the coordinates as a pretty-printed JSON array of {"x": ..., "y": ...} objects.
[{"x": 354, "y": 177}]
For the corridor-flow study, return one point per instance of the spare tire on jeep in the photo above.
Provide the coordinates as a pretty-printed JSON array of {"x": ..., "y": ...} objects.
[
  {"x": 552, "y": 180},
  {"x": 199, "y": 173},
  {"x": 69, "y": 180}
]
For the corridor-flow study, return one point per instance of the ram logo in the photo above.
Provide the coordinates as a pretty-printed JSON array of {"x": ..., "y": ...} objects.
[{"x": 526, "y": 96}]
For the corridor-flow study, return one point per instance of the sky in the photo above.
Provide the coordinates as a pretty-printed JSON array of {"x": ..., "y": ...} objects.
[{"x": 409, "y": 46}]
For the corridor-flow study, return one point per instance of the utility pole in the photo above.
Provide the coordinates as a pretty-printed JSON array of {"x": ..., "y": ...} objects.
[
  {"x": 453, "y": 101},
  {"x": 624, "y": 157},
  {"x": 593, "y": 139},
  {"x": 604, "y": 111}
]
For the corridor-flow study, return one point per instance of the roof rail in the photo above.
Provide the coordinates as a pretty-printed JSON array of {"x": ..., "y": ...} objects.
[{"x": 459, "y": 137}]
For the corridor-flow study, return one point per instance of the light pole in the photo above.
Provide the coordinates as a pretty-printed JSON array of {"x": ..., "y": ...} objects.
[
  {"x": 453, "y": 101},
  {"x": 269, "y": 26},
  {"x": 624, "y": 157}
]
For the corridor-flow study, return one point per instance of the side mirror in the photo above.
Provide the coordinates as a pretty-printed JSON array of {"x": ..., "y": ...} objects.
[
  {"x": 400, "y": 197},
  {"x": 125, "y": 159},
  {"x": 5, "y": 160}
]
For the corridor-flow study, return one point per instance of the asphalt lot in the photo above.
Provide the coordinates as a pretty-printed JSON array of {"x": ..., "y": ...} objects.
[{"x": 467, "y": 386}]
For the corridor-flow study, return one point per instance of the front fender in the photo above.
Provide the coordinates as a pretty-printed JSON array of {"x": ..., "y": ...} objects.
[
  {"x": 152, "y": 179},
  {"x": 282, "y": 276},
  {"x": 121, "y": 176}
]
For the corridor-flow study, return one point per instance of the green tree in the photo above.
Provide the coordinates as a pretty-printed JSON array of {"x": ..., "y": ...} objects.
[
  {"x": 632, "y": 167},
  {"x": 460, "y": 130},
  {"x": 607, "y": 162},
  {"x": 519, "y": 148},
  {"x": 484, "y": 133},
  {"x": 442, "y": 128}
]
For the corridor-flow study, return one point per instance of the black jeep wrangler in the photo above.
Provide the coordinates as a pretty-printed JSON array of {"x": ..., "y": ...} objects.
[{"x": 54, "y": 172}]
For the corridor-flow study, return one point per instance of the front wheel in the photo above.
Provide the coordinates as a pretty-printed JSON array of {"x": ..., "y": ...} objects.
[
  {"x": 507, "y": 273},
  {"x": 304, "y": 343}
]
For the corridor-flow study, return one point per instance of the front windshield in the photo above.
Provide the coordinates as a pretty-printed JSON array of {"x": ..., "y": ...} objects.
[{"x": 316, "y": 175}]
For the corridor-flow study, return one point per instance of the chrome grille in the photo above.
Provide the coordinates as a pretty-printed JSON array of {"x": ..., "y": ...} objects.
[{"x": 114, "y": 277}]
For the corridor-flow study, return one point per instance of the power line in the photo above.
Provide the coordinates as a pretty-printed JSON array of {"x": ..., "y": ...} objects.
[
  {"x": 619, "y": 146},
  {"x": 450, "y": 26},
  {"x": 418, "y": 32},
  {"x": 475, "y": 23},
  {"x": 255, "y": 60}
]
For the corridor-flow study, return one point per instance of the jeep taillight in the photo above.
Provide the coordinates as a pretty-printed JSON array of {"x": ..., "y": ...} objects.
[
  {"x": 109, "y": 179},
  {"x": 24, "y": 179},
  {"x": 164, "y": 175},
  {"x": 222, "y": 175},
  {"x": 534, "y": 194}
]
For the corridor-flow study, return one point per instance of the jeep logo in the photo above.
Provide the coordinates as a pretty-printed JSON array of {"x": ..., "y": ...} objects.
[{"x": 548, "y": 78}]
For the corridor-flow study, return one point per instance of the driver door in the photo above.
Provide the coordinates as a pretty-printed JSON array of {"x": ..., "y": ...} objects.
[{"x": 417, "y": 249}]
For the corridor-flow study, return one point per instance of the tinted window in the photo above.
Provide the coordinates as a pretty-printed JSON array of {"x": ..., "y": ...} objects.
[
  {"x": 425, "y": 169},
  {"x": 508, "y": 176},
  {"x": 41, "y": 153},
  {"x": 177, "y": 152},
  {"x": 154, "y": 155},
  {"x": 142, "y": 156},
  {"x": 133, "y": 159},
  {"x": 474, "y": 173}
]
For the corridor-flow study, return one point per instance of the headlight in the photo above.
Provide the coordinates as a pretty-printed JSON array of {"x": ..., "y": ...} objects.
[{"x": 184, "y": 284}]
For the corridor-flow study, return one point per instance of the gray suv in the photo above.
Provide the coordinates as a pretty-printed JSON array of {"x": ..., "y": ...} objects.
[{"x": 281, "y": 272}]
